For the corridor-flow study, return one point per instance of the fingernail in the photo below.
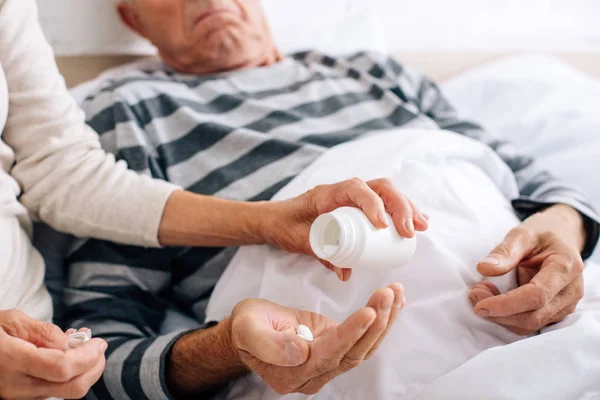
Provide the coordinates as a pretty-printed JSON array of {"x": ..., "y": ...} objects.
[
  {"x": 403, "y": 304},
  {"x": 422, "y": 218},
  {"x": 474, "y": 299},
  {"x": 409, "y": 226},
  {"x": 346, "y": 275},
  {"x": 398, "y": 301},
  {"x": 483, "y": 312},
  {"x": 381, "y": 217},
  {"x": 103, "y": 346},
  {"x": 368, "y": 324},
  {"x": 489, "y": 261},
  {"x": 426, "y": 216},
  {"x": 293, "y": 353}
]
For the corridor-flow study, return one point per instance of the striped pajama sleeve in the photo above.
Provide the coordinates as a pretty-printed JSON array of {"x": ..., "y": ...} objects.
[
  {"x": 538, "y": 188},
  {"x": 115, "y": 291}
]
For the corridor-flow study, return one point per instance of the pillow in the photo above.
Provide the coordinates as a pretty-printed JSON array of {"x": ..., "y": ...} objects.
[
  {"x": 76, "y": 27},
  {"x": 548, "y": 109}
]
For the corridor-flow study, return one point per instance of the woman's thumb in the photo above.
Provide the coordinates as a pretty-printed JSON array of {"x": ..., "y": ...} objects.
[{"x": 41, "y": 334}]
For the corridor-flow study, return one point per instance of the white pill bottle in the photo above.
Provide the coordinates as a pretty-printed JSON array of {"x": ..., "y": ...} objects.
[{"x": 347, "y": 239}]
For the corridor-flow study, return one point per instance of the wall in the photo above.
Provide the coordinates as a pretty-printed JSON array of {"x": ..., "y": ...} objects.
[{"x": 492, "y": 25}]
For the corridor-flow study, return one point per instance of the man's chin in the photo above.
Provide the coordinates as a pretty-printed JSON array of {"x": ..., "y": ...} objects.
[{"x": 208, "y": 66}]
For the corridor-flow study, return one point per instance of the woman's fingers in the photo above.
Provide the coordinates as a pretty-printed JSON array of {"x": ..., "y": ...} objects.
[
  {"x": 405, "y": 214},
  {"x": 76, "y": 388},
  {"x": 362, "y": 196},
  {"x": 421, "y": 219},
  {"x": 343, "y": 274},
  {"x": 396, "y": 204}
]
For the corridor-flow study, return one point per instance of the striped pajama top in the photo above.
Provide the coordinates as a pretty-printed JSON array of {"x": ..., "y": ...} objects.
[{"x": 241, "y": 135}]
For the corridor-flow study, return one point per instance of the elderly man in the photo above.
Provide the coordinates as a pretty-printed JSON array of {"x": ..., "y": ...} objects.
[{"x": 227, "y": 115}]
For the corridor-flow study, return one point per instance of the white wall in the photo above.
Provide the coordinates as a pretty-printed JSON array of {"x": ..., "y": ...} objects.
[
  {"x": 422, "y": 25},
  {"x": 492, "y": 24}
]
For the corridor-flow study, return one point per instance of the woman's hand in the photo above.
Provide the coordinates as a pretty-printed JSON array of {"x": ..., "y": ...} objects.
[
  {"x": 36, "y": 361},
  {"x": 288, "y": 224}
]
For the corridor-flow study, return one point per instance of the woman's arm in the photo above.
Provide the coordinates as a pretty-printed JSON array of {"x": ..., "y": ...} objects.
[{"x": 67, "y": 180}]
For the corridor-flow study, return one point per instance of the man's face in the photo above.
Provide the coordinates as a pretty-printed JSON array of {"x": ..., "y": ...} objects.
[{"x": 203, "y": 36}]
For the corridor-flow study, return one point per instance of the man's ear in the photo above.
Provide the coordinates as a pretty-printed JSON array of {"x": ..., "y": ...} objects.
[{"x": 130, "y": 17}]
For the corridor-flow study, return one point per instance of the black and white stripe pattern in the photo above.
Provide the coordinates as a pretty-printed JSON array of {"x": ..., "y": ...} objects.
[{"x": 241, "y": 136}]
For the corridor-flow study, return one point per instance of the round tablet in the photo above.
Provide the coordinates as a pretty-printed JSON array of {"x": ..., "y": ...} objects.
[{"x": 305, "y": 333}]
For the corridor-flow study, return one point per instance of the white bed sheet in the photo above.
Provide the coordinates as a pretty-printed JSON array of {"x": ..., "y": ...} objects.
[{"x": 438, "y": 349}]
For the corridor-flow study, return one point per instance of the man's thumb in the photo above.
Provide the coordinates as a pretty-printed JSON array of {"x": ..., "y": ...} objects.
[
  {"x": 517, "y": 245},
  {"x": 280, "y": 348}
]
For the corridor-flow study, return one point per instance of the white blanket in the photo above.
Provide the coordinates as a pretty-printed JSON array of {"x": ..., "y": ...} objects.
[{"x": 438, "y": 348}]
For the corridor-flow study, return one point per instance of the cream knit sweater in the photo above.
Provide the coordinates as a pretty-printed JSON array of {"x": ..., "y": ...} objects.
[{"x": 53, "y": 161}]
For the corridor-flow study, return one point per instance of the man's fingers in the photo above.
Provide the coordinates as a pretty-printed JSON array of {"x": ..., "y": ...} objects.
[
  {"x": 382, "y": 302},
  {"x": 562, "y": 314},
  {"x": 329, "y": 349},
  {"x": 479, "y": 292},
  {"x": 517, "y": 245},
  {"x": 525, "y": 298},
  {"x": 556, "y": 272},
  {"x": 386, "y": 303},
  {"x": 51, "y": 364},
  {"x": 560, "y": 306},
  {"x": 398, "y": 206},
  {"x": 398, "y": 304}
]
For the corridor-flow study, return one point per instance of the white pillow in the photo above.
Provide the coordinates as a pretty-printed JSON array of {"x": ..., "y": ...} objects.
[
  {"x": 79, "y": 27},
  {"x": 547, "y": 108}
]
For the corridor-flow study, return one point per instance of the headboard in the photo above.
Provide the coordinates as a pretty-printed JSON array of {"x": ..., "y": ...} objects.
[{"x": 440, "y": 66}]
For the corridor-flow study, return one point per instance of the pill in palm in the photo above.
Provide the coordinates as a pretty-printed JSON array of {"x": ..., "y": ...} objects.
[{"x": 305, "y": 333}]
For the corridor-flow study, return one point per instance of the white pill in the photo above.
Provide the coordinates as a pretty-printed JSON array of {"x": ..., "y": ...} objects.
[
  {"x": 77, "y": 338},
  {"x": 305, "y": 333},
  {"x": 330, "y": 250}
]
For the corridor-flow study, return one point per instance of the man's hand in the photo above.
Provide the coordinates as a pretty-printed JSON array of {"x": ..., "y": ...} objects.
[
  {"x": 545, "y": 249},
  {"x": 261, "y": 336},
  {"x": 264, "y": 334},
  {"x": 288, "y": 223},
  {"x": 36, "y": 362}
]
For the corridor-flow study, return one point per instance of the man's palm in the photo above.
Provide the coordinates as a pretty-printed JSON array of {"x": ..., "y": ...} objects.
[{"x": 265, "y": 336}]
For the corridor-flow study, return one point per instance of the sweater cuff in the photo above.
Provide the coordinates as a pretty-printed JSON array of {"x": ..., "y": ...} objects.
[
  {"x": 154, "y": 210},
  {"x": 591, "y": 222}
]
